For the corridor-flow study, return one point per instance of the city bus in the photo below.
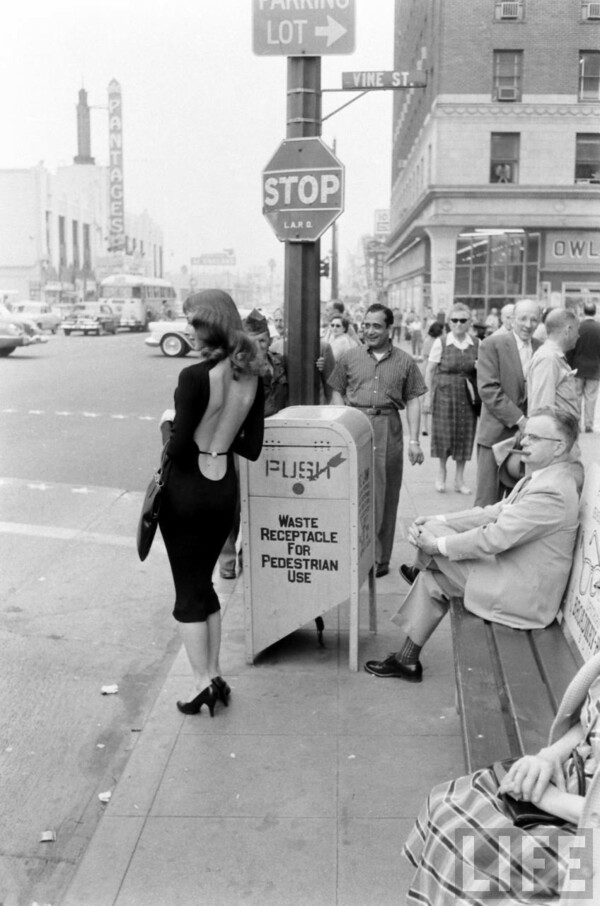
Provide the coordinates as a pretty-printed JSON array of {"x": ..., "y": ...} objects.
[{"x": 138, "y": 300}]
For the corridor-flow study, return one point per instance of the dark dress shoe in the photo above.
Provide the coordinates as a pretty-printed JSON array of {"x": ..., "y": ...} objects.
[
  {"x": 409, "y": 573},
  {"x": 413, "y": 673},
  {"x": 382, "y": 569},
  {"x": 227, "y": 573}
]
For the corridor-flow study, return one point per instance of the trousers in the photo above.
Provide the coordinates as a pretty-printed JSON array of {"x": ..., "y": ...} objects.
[{"x": 428, "y": 600}]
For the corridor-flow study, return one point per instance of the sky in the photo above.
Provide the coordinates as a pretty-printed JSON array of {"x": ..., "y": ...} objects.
[{"x": 202, "y": 114}]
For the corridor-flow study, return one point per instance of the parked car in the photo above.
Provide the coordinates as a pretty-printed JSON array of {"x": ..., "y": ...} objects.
[
  {"x": 28, "y": 326},
  {"x": 12, "y": 334},
  {"x": 40, "y": 313},
  {"x": 175, "y": 338},
  {"x": 91, "y": 317}
]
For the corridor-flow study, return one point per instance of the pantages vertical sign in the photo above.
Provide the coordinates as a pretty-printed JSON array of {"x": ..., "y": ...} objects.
[{"x": 116, "y": 205}]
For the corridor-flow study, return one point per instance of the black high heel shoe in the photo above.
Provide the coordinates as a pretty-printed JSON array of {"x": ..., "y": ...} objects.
[
  {"x": 207, "y": 697},
  {"x": 222, "y": 689}
]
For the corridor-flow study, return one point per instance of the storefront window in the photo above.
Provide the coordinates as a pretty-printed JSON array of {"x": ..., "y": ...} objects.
[{"x": 495, "y": 268}]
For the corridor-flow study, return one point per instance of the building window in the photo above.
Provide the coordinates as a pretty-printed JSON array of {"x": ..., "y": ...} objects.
[
  {"x": 590, "y": 11},
  {"x": 508, "y": 69},
  {"x": 587, "y": 158},
  {"x": 87, "y": 249},
  {"x": 62, "y": 242},
  {"x": 504, "y": 163},
  {"x": 589, "y": 75},
  {"x": 76, "y": 263},
  {"x": 495, "y": 268},
  {"x": 509, "y": 10}
]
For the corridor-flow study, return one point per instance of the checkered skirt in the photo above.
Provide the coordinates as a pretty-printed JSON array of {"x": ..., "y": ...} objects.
[{"x": 454, "y": 844}]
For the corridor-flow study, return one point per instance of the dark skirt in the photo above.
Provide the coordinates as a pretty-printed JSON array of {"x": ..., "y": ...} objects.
[{"x": 195, "y": 519}]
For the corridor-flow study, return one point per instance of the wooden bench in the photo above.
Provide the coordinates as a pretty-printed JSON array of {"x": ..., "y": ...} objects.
[{"x": 509, "y": 684}]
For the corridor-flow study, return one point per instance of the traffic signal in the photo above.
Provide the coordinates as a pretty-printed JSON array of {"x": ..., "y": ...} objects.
[{"x": 324, "y": 267}]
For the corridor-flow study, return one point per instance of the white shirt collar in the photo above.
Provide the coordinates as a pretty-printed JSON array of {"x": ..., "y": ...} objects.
[
  {"x": 451, "y": 340},
  {"x": 520, "y": 343}
]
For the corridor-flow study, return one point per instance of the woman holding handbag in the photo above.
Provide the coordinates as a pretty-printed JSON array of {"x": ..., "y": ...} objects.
[
  {"x": 450, "y": 368},
  {"x": 218, "y": 412},
  {"x": 492, "y": 811}
]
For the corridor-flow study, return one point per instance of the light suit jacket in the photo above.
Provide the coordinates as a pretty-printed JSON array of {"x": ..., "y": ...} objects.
[
  {"x": 501, "y": 386},
  {"x": 521, "y": 548}
]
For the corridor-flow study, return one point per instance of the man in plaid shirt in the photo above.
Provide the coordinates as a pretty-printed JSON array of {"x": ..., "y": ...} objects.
[{"x": 380, "y": 379}]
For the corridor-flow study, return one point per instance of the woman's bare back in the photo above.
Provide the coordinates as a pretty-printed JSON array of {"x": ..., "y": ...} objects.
[{"x": 228, "y": 405}]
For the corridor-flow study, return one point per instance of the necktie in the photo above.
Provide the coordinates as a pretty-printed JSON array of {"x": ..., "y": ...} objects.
[{"x": 519, "y": 489}]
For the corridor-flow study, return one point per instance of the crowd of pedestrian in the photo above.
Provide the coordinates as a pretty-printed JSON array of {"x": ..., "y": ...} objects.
[{"x": 518, "y": 398}]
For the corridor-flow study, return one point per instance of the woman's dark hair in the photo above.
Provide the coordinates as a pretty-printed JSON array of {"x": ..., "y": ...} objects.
[
  {"x": 436, "y": 329},
  {"x": 214, "y": 312},
  {"x": 345, "y": 321}
]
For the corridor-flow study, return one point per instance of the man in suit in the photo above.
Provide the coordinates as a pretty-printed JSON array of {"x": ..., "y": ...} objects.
[
  {"x": 501, "y": 366},
  {"x": 510, "y": 561},
  {"x": 585, "y": 359}
]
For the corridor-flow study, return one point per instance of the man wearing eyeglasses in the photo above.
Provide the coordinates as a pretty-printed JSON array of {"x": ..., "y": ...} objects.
[
  {"x": 509, "y": 561},
  {"x": 502, "y": 364}
]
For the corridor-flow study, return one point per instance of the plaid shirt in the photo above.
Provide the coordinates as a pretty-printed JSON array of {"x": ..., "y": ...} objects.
[{"x": 366, "y": 382}]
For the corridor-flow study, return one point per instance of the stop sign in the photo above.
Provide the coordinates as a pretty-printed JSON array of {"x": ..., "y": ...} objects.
[{"x": 303, "y": 189}]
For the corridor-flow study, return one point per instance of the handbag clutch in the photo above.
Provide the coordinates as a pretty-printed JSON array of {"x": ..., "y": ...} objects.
[
  {"x": 526, "y": 814},
  {"x": 148, "y": 520}
]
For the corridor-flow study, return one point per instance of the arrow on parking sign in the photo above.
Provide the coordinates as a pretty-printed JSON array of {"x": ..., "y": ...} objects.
[{"x": 333, "y": 31}]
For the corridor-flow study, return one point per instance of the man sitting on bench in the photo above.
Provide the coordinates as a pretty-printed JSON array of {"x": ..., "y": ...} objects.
[{"x": 510, "y": 560}]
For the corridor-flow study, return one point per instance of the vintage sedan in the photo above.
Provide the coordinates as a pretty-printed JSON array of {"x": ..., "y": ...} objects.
[
  {"x": 12, "y": 335},
  {"x": 174, "y": 338},
  {"x": 91, "y": 317},
  {"x": 38, "y": 312}
]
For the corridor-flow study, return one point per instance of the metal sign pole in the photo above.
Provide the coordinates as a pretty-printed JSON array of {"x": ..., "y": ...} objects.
[{"x": 302, "y": 280}]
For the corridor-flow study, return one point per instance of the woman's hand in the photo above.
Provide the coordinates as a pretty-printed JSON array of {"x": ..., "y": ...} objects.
[{"x": 529, "y": 777}]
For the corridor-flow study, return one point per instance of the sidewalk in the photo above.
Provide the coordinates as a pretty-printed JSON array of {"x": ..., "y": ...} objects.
[{"x": 302, "y": 792}]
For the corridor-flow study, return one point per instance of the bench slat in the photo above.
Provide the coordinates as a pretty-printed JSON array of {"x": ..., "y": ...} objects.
[
  {"x": 558, "y": 663},
  {"x": 528, "y": 696},
  {"x": 485, "y": 735}
]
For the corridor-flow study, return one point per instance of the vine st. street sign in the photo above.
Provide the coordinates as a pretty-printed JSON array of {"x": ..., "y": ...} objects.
[
  {"x": 303, "y": 189},
  {"x": 295, "y": 28}
]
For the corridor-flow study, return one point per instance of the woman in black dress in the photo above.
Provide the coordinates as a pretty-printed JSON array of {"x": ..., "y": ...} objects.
[{"x": 218, "y": 412}]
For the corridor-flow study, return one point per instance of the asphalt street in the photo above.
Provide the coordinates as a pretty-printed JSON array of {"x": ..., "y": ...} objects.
[{"x": 78, "y": 443}]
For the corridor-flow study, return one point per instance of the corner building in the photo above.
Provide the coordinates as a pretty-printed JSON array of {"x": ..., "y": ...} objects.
[{"x": 496, "y": 162}]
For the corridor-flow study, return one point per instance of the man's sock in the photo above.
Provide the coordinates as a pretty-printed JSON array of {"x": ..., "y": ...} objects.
[{"x": 409, "y": 653}]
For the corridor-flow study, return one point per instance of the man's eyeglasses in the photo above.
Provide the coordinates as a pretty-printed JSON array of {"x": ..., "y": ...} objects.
[
  {"x": 458, "y": 320},
  {"x": 535, "y": 437}
]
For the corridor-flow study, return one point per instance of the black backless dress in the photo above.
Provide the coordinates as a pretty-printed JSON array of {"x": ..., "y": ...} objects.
[{"x": 197, "y": 513}]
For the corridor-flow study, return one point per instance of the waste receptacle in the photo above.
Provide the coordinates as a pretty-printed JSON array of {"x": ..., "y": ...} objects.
[{"x": 308, "y": 523}]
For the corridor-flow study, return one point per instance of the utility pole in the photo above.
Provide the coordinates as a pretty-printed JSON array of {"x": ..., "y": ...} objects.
[
  {"x": 334, "y": 252},
  {"x": 302, "y": 259}
]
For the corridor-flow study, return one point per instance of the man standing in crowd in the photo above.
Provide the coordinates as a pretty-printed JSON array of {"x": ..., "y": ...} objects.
[
  {"x": 585, "y": 359},
  {"x": 501, "y": 367},
  {"x": 380, "y": 379},
  {"x": 550, "y": 378},
  {"x": 506, "y": 317},
  {"x": 275, "y": 385},
  {"x": 510, "y": 561}
]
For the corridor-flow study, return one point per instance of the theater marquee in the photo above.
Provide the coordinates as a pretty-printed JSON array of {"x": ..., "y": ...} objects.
[{"x": 116, "y": 204}]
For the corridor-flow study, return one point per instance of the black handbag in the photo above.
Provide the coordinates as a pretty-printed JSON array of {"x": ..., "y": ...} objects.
[
  {"x": 148, "y": 521},
  {"x": 525, "y": 814},
  {"x": 473, "y": 394}
]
